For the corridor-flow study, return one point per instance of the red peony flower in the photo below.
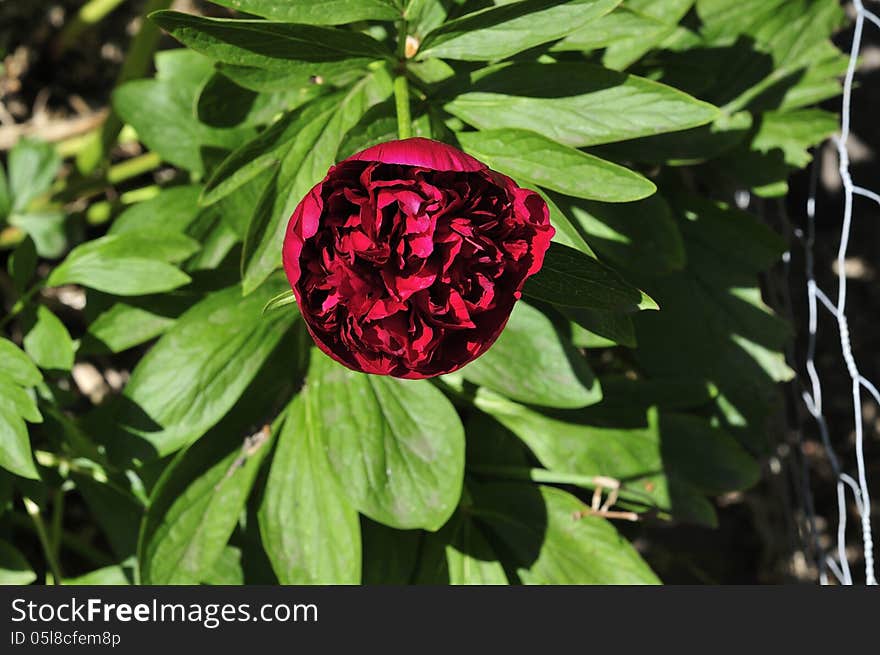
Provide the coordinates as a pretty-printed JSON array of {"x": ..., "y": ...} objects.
[{"x": 407, "y": 259}]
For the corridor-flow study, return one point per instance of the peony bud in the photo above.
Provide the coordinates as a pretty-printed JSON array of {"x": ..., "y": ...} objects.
[{"x": 408, "y": 257}]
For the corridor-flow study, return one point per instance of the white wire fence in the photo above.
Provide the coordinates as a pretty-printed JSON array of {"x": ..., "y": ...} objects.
[{"x": 837, "y": 561}]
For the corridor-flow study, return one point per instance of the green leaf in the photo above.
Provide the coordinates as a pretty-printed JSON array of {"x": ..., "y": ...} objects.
[
  {"x": 116, "y": 325},
  {"x": 715, "y": 327},
  {"x": 576, "y": 104},
  {"x": 639, "y": 235},
  {"x": 600, "y": 329},
  {"x": 32, "y": 167},
  {"x": 459, "y": 554},
  {"x": 793, "y": 32},
  {"x": 317, "y": 12},
  {"x": 232, "y": 213},
  {"x": 15, "y": 447},
  {"x": 263, "y": 152},
  {"x": 223, "y": 103},
  {"x": 566, "y": 233},
  {"x": 378, "y": 125},
  {"x": 109, "y": 575},
  {"x": 310, "y": 532},
  {"x": 621, "y": 25},
  {"x": 17, "y": 366},
  {"x": 218, "y": 236},
  {"x": 267, "y": 44},
  {"x": 5, "y": 196},
  {"x": 665, "y": 10},
  {"x": 800, "y": 64},
  {"x": 162, "y": 110},
  {"x": 14, "y": 568},
  {"x": 68, "y": 432},
  {"x": 531, "y": 363},
  {"x": 195, "y": 507},
  {"x": 820, "y": 81},
  {"x": 665, "y": 14},
  {"x": 660, "y": 459},
  {"x": 627, "y": 448},
  {"x": 794, "y": 133},
  {"x": 201, "y": 366},
  {"x": 307, "y": 78},
  {"x": 569, "y": 278},
  {"x": 46, "y": 228},
  {"x": 423, "y": 16},
  {"x": 498, "y": 32},
  {"x": 127, "y": 264},
  {"x": 305, "y": 164},
  {"x": 537, "y": 159},
  {"x": 283, "y": 299},
  {"x": 22, "y": 264},
  {"x": 48, "y": 342},
  {"x": 199, "y": 499},
  {"x": 124, "y": 326},
  {"x": 18, "y": 400},
  {"x": 489, "y": 443},
  {"x": 705, "y": 456},
  {"x": 665, "y": 393},
  {"x": 116, "y": 510},
  {"x": 687, "y": 147},
  {"x": 550, "y": 545},
  {"x": 396, "y": 446},
  {"x": 389, "y": 555},
  {"x": 172, "y": 210},
  {"x": 227, "y": 569},
  {"x": 763, "y": 173},
  {"x": 720, "y": 17}
]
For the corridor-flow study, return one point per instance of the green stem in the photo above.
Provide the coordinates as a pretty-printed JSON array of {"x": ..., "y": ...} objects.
[
  {"x": 137, "y": 63},
  {"x": 401, "y": 87},
  {"x": 20, "y": 304},
  {"x": 33, "y": 511},
  {"x": 70, "y": 541},
  {"x": 543, "y": 476},
  {"x": 139, "y": 195},
  {"x": 401, "y": 102},
  {"x": 89, "y": 14},
  {"x": 537, "y": 475},
  {"x": 64, "y": 464},
  {"x": 133, "y": 167},
  {"x": 102, "y": 211},
  {"x": 57, "y": 522},
  {"x": 117, "y": 173}
]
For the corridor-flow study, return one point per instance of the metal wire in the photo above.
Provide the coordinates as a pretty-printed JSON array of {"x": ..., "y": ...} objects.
[{"x": 817, "y": 298}]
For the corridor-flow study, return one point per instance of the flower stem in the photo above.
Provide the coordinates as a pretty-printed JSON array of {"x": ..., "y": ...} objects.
[
  {"x": 90, "y": 186},
  {"x": 401, "y": 87},
  {"x": 537, "y": 475},
  {"x": 401, "y": 101},
  {"x": 138, "y": 60},
  {"x": 70, "y": 541},
  {"x": 57, "y": 523},
  {"x": 33, "y": 511}
]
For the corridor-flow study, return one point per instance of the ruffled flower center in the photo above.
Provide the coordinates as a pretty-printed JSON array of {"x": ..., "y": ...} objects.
[{"x": 409, "y": 264}]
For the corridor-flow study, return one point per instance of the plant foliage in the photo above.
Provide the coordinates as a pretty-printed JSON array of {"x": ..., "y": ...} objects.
[{"x": 642, "y": 355}]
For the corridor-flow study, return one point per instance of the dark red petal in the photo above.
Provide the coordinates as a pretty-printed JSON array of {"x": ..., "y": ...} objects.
[
  {"x": 535, "y": 211},
  {"x": 303, "y": 225},
  {"x": 422, "y": 152},
  {"x": 409, "y": 257}
]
